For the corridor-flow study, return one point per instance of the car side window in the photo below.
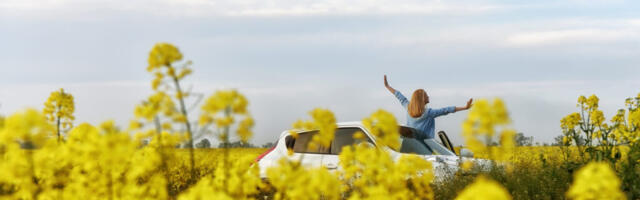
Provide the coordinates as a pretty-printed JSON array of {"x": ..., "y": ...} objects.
[
  {"x": 344, "y": 137},
  {"x": 301, "y": 144},
  {"x": 413, "y": 146}
]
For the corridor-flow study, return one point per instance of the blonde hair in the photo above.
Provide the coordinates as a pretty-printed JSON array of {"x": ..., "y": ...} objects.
[{"x": 416, "y": 105}]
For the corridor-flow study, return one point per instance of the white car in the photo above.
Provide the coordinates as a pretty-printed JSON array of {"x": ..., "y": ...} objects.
[{"x": 444, "y": 160}]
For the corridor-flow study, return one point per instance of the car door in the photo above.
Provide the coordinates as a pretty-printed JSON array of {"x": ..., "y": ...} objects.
[
  {"x": 309, "y": 157},
  {"x": 343, "y": 137}
]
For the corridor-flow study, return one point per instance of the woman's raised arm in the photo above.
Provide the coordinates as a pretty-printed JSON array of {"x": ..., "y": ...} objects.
[{"x": 403, "y": 100}]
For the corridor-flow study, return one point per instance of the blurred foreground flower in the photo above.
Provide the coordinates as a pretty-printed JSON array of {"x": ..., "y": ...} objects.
[
  {"x": 484, "y": 188},
  {"x": 483, "y": 122},
  {"x": 595, "y": 181},
  {"x": 324, "y": 121}
]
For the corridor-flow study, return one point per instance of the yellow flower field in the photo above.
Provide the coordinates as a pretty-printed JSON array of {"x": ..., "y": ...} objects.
[{"x": 44, "y": 155}]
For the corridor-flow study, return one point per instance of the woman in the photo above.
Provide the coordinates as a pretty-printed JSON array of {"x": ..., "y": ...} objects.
[{"x": 419, "y": 116}]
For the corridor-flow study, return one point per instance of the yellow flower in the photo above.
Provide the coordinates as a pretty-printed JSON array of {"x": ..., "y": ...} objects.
[
  {"x": 484, "y": 188},
  {"x": 109, "y": 126},
  {"x": 293, "y": 134},
  {"x": 224, "y": 121},
  {"x": 483, "y": 121},
  {"x": 570, "y": 121},
  {"x": 582, "y": 100},
  {"x": 158, "y": 103},
  {"x": 224, "y": 99},
  {"x": 592, "y": 102},
  {"x": 292, "y": 181},
  {"x": 596, "y": 134},
  {"x": 27, "y": 126},
  {"x": 163, "y": 54},
  {"x": 597, "y": 117},
  {"x": 384, "y": 127},
  {"x": 59, "y": 105},
  {"x": 290, "y": 152},
  {"x": 595, "y": 181},
  {"x": 155, "y": 83},
  {"x": 134, "y": 125},
  {"x": 619, "y": 117},
  {"x": 372, "y": 173},
  {"x": 1, "y": 122},
  {"x": 180, "y": 118},
  {"x": 205, "y": 119},
  {"x": 223, "y": 107},
  {"x": 566, "y": 141},
  {"x": 244, "y": 129},
  {"x": 358, "y": 135},
  {"x": 324, "y": 121},
  {"x": 304, "y": 125},
  {"x": 59, "y": 109},
  {"x": 634, "y": 118},
  {"x": 166, "y": 126},
  {"x": 184, "y": 72}
]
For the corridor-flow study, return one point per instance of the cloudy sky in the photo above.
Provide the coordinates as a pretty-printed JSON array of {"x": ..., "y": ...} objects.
[{"x": 289, "y": 56}]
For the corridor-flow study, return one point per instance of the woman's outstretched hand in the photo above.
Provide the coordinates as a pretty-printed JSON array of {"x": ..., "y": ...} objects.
[
  {"x": 386, "y": 84},
  {"x": 469, "y": 104}
]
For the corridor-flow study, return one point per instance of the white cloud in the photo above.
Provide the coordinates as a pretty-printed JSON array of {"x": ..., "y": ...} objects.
[
  {"x": 634, "y": 22},
  {"x": 246, "y": 7},
  {"x": 571, "y": 36}
]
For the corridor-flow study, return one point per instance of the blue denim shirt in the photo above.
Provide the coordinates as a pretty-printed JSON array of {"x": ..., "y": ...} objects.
[{"x": 426, "y": 123}]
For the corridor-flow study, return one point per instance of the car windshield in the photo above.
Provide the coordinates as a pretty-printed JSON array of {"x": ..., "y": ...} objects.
[
  {"x": 422, "y": 147},
  {"x": 437, "y": 147}
]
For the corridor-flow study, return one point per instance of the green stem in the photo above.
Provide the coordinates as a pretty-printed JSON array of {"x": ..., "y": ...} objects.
[
  {"x": 183, "y": 110},
  {"x": 163, "y": 159},
  {"x": 58, "y": 129},
  {"x": 59, "y": 108},
  {"x": 225, "y": 164}
]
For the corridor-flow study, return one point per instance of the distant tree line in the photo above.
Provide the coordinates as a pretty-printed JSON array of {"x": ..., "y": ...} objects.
[{"x": 521, "y": 140}]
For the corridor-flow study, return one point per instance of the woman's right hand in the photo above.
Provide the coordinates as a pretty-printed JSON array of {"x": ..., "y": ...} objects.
[
  {"x": 386, "y": 84},
  {"x": 469, "y": 104}
]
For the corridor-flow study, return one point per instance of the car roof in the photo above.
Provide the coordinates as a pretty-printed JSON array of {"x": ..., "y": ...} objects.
[
  {"x": 350, "y": 124},
  {"x": 356, "y": 124}
]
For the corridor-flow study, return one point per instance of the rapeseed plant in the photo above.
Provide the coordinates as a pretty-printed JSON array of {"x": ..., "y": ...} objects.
[
  {"x": 161, "y": 63},
  {"x": 59, "y": 109}
]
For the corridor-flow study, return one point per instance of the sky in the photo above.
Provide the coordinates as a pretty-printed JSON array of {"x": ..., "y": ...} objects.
[{"x": 290, "y": 56}]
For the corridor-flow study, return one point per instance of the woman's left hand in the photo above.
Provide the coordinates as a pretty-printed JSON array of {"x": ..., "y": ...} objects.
[{"x": 469, "y": 103}]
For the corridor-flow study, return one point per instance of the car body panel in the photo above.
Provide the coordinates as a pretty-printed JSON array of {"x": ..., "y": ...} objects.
[{"x": 442, "y": 164}]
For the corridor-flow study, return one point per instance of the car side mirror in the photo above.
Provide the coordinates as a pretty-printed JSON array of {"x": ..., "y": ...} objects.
[
  {"x": 466, "y": 153},
  {"x": 444, "y": 140}
]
